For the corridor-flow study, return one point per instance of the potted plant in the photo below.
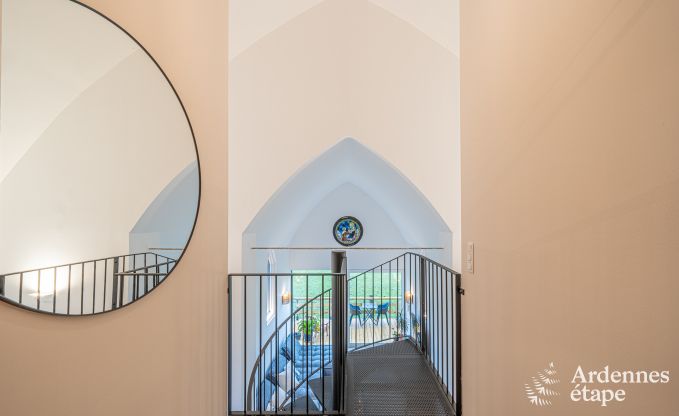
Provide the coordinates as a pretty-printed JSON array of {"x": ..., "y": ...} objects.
[
  {"x": 416, "y": 330},
  {"x": 308, "y": 327},
  {"x": 400, "y": 330}
]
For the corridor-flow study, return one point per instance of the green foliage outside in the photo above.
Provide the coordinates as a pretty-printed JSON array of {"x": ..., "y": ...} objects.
[{"x": 366, "y": 288}]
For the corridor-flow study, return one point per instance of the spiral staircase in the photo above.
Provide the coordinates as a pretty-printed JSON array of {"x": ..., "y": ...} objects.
[{"x": 385, "y": 341}]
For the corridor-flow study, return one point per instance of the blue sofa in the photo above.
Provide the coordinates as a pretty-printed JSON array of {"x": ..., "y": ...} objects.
[{"x": 306, "y": 360}]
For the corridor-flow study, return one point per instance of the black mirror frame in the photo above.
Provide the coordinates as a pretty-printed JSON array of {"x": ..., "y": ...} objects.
[{"x": 195, "y": 220}]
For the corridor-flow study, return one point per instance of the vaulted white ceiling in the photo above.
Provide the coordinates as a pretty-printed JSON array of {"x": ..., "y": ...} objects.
[
  {"x": 438, "y": 19},
  {"x": 348, "y": 162},
  {"x": 251, "y": 20},
  {"x": 52, "y": 51}
]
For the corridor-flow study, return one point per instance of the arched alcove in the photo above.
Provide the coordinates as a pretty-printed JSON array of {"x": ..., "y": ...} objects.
[
  {"x": 166, "y": 224},
  {"x": 347, "y": 179}
]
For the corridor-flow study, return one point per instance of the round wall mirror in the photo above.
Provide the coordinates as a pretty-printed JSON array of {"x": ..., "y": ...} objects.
[{"x": 99, "y": 175}]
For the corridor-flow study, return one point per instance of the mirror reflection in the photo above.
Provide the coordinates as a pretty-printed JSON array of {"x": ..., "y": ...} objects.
[{"x": 99, "y": 179}]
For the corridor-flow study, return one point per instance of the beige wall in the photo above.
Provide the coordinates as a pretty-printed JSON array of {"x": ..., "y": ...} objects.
[
  {"x": 165, "y": 355},
  {"x": 570, "y": 191}
]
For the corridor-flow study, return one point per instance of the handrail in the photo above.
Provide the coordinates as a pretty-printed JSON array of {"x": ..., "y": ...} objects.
[
  {"x": 275, "y": 335},
  {"x": 94, "y": 285},
  {"x": 84, "y": 261},
  {"x": 436, "y": 313},
  {"x": 253, "y": 275},
  {"x": 448, "y": 269},
  {"x": 379, "y": 265},
  {"x": 131, "y": 272},
  {"x": 141, "y": 274}
]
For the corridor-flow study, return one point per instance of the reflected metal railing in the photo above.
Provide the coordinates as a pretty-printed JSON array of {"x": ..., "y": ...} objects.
[{"x": 87, "y": 287}]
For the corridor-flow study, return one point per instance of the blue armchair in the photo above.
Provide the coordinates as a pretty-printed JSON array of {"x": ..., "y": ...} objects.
[
  {"x": 382, "y": 309},
  {"x": 355, "y": 311}
]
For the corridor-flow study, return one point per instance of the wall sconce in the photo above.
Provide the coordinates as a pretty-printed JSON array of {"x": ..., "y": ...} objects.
[
  {"x": 285, "y": 297},
  {"x": 409, "y": 296}
]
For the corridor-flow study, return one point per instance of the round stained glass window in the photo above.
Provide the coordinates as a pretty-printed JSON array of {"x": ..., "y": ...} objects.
[{"x": 347, "y": 231}]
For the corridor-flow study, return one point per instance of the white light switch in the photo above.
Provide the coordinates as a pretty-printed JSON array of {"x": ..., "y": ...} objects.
[{"x": 469, "y": 258}]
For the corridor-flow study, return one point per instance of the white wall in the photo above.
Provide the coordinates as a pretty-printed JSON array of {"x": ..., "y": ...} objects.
[
  {"x": 294, "y": 95},
  {"x": 105, "y": 153},
  {"x": 316, "y": 230},
  {"x": 347, "y": 179},
  {"x": 37, "y": 87}
]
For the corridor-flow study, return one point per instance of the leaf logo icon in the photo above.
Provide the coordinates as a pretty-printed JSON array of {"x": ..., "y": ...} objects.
[{"x": 539, "y": 390}]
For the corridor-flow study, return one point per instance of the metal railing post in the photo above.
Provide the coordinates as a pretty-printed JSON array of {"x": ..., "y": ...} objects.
[
  {"x": 423, "y": 304},
  {"x": 114, "y": 284},
  {"x": 459, "y": 291},
  {"x": 338, "y": 265},
  {"x": 230, "y": 345}
]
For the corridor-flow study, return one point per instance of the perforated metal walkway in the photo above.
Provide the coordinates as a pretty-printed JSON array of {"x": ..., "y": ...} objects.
[{"x": 393, "y": 379}]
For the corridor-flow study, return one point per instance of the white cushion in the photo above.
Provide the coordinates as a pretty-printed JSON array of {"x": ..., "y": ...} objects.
[
  {"x": 272, "y": 403},
  {"x": 285, "y": 378}
]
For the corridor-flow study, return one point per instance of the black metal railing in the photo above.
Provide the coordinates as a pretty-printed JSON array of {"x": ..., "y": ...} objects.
[
  {"x": 268, "y": 336},
  {"x": 375, "y": 298},
  {"x": 410, "y": 297},
  {"x": 88, "y": 287},
  {"x": 427, "y": 312}
]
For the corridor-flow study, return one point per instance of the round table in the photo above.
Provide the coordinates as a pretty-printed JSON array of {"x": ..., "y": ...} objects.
[{"x": 369, "y": 309}]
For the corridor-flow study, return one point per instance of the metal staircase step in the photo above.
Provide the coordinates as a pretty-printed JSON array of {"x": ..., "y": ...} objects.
[{"x": 393, "y": 379}]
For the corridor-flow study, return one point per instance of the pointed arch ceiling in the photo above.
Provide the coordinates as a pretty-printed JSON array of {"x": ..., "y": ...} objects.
[
  {"x": 251, "y": 20},
  {"x": 39, "y": 47},
  {"x": 347, "y": 162}
]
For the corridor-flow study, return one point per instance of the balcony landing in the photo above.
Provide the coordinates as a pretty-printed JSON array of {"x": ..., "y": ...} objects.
[{"x": 393, "y": 379}]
